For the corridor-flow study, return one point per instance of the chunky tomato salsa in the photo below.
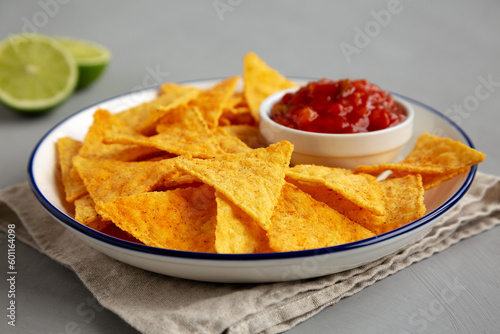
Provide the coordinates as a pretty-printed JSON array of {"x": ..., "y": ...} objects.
[{"x": 342, "y": 106}]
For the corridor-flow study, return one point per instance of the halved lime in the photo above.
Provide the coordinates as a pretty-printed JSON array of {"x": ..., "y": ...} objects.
[
  {"x": 36, "y": 73},
  {"x": 91, "y": 58}
]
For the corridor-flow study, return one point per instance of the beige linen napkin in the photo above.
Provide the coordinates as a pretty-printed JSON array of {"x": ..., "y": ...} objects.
[{"x": 154, "y": 303}]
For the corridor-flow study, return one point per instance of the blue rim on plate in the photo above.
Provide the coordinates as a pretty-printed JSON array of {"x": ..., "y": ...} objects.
[{"x": 70, "y": 222}]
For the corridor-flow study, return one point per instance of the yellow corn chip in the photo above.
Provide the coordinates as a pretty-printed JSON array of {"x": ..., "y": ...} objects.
[
  {"x": 173, "y": 88},
  {"x": 300, "y": 222},
  {"x": 229, "y": 143},
  {"x": 248, "y": 134},
  {"x": 260, "y": 81},
  {"x": 408, "y": 207},
  {"x": 182, "y": 132},
  {"x": 431, "y": 180},
  {"x": 188, "y": 117},
  {"x": 73, "y": 185},
  {"x": 404, "y": 199},
  {"x": 236, "y": 232},
  {"x": 235, "y": 101},
  {"x": 94, "y": 148},
  {"x": 236, "y": 111},
  {"x": 85, "y": 210},
  {"x": 211, "y": 101},
  {"x": 143, "y": 118},
  {"x": 361, "y": 189},
  {"x": 344, "y": 206},
  {"x": 237, "y": 116},
  {"x": 252, "y": 181},
  {"x": 432, "y": 155},
  {"x": 108, "y": 179},
  {"x": 181, "y": 219}
]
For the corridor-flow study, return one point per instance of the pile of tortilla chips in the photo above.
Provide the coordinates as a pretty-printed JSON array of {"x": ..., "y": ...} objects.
[{"x": 189, "y": 171}]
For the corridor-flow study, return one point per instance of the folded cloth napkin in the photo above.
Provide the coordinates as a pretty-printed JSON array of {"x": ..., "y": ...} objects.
[{"x": 154, "y": 303}]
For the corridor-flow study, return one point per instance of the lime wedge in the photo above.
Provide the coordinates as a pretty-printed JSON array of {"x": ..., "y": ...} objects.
[
  {"x": 36, "y": 73},
  {"x": 90, "y": 57}
]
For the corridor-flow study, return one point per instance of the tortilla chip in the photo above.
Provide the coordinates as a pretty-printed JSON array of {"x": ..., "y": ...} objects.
[
  {"x": 235, "y": 101},
  {"x": 430, "y": 181},
  {"x": 94, "y": 148},
  {"x": 236, "y": 111},
  {"x": 248, "y": 134},
  {"x": 229, "y": 143},
  {"x": 182, "y": 132},
  {"x": 176, "y": 179},
  {"x": 236, "y": 117},
  {"x": 300, "y": 222},
  {"x": 143, "y": 118},
  {"x": 211, "y": 101},
  {"x": 236, "y": 232},
  {"x": 108, "y": 179},
  {"x": 188, "y": 117},
  {"x": 403, "y": 202},
  {"x": 73, "y": 185},
  {"x": 252, "y": 180},
  {"x": 260, "y": 81},
  {"x": 361, "y": 189},
  {"x": 338, "y": 202},
  {"x": 433, "y": 180},
  {"x": 432, "y": 155},
  {"x": 180, "y": 219},
  {"x": 85, "y": 210}
]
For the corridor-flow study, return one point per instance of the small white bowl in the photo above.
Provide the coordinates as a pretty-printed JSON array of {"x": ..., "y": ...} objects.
[{"x": 338, "y": 150}]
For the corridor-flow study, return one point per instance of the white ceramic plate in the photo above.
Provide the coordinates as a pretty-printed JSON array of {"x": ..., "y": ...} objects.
[{"x": 244, "y": 268}]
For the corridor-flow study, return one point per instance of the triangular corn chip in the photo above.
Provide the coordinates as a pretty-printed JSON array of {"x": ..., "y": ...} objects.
[
  {"x": 403, "y": 202},
  {"x": 182, "y": 131},
  {"x": 236, "y": 232},
  {"x": 73, "y": 185},
  {"x": 229, "y": 143},
  {"x": 211, "y": 101},
  {"x": 300, "y": 222},
  {"x": 431, "y": 155},
  {"x": 181, "y": 219},
  {"x": 248, "y": 134},
  {"x": 143, "y": 118},
  {"x": 252, "y": 181},
  {"x": 85, "y": 210},
  {"x": 93, "y": 146},
  {"x": 361, "y": 189},
  {"x": 260, "y": 81},
  {"x": 108, "y": 179}
]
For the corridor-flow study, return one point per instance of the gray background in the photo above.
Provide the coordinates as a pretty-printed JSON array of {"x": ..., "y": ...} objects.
[{"x": 439, "y": 53}]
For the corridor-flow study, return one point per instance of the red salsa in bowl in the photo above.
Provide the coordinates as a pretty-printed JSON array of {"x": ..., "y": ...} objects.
[{"x": 344, "y": 106}]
